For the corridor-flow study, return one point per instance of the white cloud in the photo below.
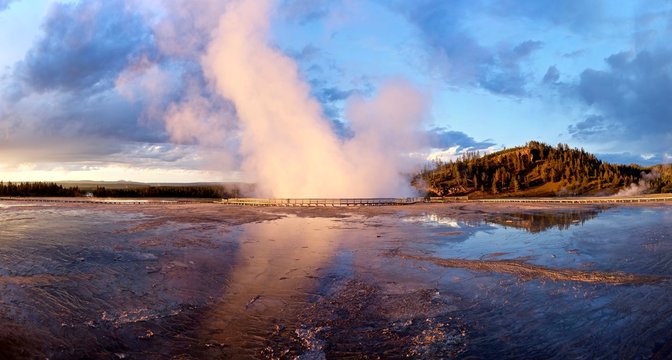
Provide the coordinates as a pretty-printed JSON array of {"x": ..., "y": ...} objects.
[
  {"x": 444, "y": 155},
  {"x": 454, "y": 152}
]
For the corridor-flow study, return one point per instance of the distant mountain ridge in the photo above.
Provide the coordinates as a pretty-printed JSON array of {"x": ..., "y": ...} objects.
[{"x": 538, "y": 169}]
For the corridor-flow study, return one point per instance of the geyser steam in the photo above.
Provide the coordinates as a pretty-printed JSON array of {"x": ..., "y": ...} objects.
[
  {"x": 642, "y": 186},
  {"x": 286, "y": 143}
]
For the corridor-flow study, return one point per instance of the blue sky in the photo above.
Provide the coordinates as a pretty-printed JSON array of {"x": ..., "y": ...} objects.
[{"x": 74, "y": 76}]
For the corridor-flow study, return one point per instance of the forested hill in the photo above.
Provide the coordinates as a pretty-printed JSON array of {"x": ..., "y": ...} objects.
[{"x": 538, "y": 169}]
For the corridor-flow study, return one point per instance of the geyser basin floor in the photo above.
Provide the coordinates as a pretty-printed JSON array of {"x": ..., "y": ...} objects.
[{"x": 213, "y": 281}]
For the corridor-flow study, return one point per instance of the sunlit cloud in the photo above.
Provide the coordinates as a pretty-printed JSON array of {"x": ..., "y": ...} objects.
[{"x": 111, "y": 172}]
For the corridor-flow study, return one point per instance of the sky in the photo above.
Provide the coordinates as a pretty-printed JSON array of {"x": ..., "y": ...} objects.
[{"x": 127, "y": 89}]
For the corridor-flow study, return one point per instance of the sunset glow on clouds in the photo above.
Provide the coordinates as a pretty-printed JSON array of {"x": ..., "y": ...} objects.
[{"x": 161, "y": 90}]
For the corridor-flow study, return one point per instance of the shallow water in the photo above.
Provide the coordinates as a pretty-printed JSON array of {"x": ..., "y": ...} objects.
[
  {"x": 99, "y": 282},
  {"x": 514, "y": 317}
]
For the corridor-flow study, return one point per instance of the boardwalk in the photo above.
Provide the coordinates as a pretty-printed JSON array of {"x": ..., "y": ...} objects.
[
  {"x": 407, "y": 201},
  {"x": 324, "y": 202}
]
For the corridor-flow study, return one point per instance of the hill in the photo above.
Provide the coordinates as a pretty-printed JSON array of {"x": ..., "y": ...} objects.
[{"x": 537, "y": 169}]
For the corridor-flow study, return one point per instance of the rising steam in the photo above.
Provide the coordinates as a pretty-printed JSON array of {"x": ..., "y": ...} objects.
[
  {"x": 642, "y": 186},
  {"x": 286, "y": 143}
]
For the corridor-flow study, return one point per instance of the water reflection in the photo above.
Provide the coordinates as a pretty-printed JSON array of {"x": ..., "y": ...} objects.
[
  {"x": 533, "y": 222},
  {"x": 276, "y": 268},
  {"x": 544, "y": 311},
  {"x": 543, "y": 221},
  {"x": 434, "y": 220},
  {"x": 92, "y": 283}
]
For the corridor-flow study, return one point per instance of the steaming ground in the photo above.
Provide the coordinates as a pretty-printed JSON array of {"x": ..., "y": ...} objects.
[
  {"x": 423, "y": 281},
  {"x": 640, "y": 187}
]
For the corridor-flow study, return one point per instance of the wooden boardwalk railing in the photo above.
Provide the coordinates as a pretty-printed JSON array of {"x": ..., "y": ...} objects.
[{"x": 323, "y": 202}]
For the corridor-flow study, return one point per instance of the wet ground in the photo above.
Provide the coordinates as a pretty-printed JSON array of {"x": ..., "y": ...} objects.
[{"x": 425, "y": 281}]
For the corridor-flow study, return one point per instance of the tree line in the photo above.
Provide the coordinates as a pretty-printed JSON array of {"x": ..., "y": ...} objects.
[
  {"x": 204, "y": 191},
  {"x": 47, "y": 189},
  {"x": 37, "y": 189},
  {"x": 552, "y": 170}
]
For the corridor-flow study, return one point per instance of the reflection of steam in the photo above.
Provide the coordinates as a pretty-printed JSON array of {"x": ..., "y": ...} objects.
[
  {"x": 285, "y": 141},
  {"x": 274, "y": 270},
  {"x": 642, "y": 186}
]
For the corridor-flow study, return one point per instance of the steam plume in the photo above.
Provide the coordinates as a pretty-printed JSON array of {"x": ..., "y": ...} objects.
[
  {"x": 285, "y": 141},
  {"x": 642, "y": 186}
]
